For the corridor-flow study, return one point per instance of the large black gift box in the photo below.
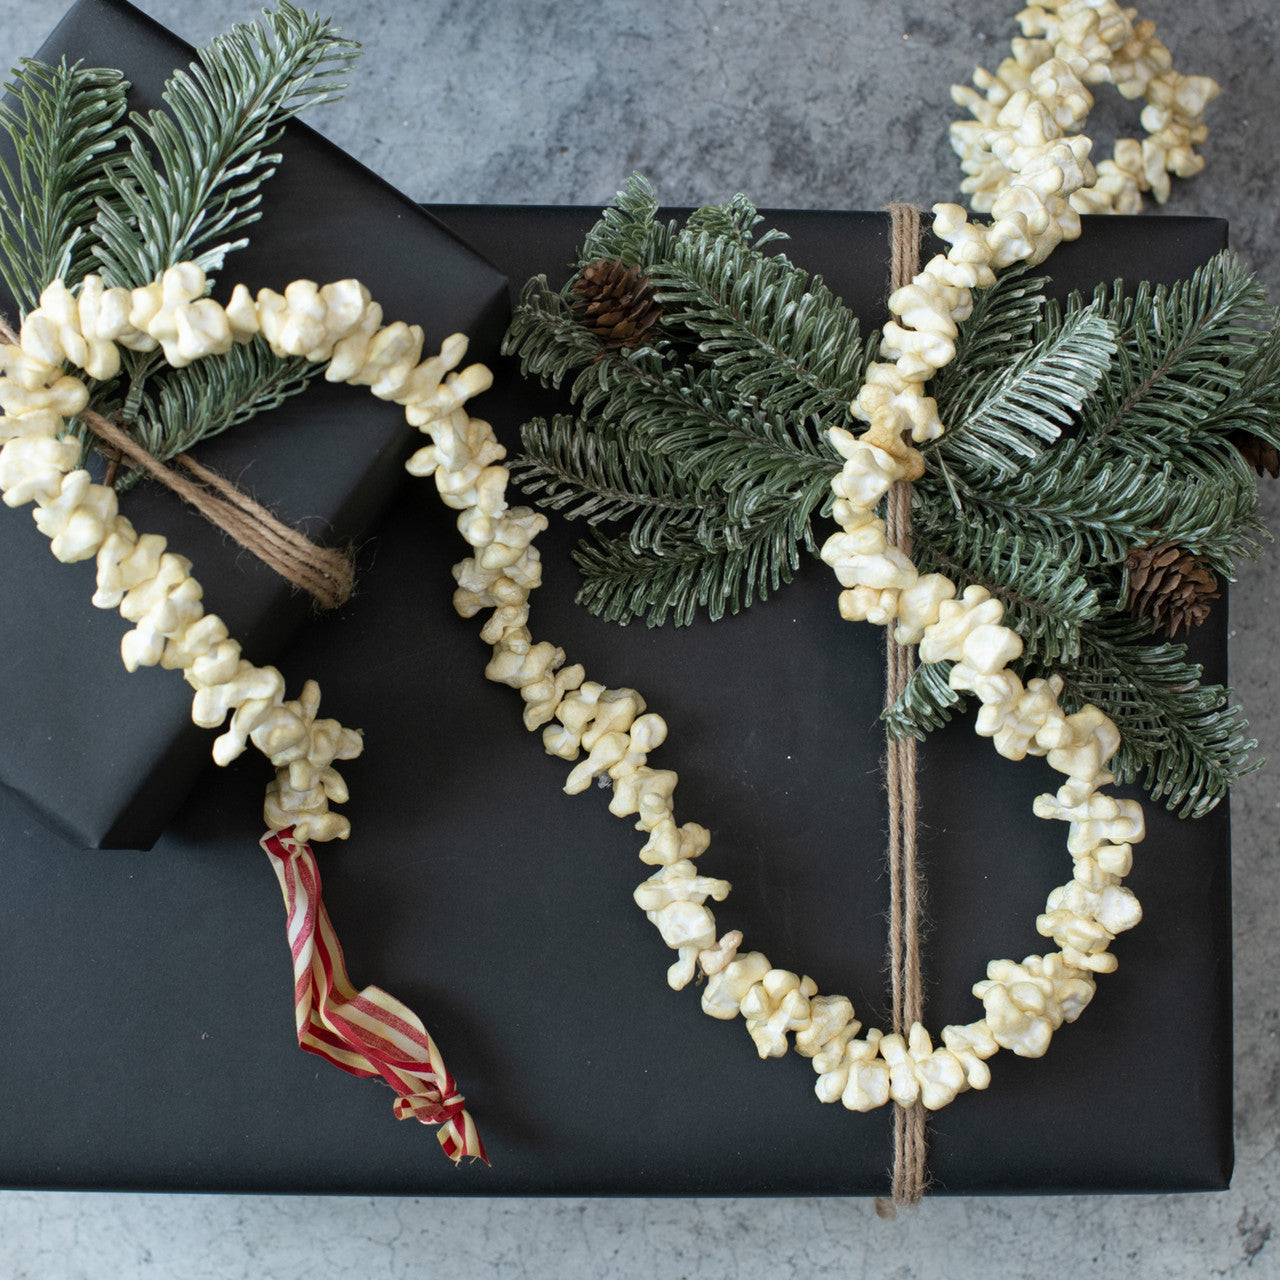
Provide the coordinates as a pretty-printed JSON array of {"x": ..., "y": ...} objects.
[
  {"x": 108, "y": 756},
  {"x": 149, "y": 1030}
]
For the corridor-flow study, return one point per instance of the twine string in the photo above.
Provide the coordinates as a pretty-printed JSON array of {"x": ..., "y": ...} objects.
[
  {"x": 325, "y": 573},
  {"x": 909, "y": 1149}
]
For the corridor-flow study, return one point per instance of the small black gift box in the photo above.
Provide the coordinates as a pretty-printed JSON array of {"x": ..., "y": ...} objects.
[
  {"x": 501, "y": 909},
  {"x": 108, "y": 756}
]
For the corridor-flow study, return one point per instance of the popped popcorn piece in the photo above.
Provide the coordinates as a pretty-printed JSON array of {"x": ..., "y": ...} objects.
[
  {"x": 1026, "y": 1003},
  {"x": 668, "y": 843},
  {"x": 775, "y": 1005},
  {"x": 1100, "y": 817},
  {"x": 723, "y": 995},
  {"x": 861, "y": 1080},
  {"x": 944, "y": 640},
  {"x": 78, "y": 519},
  {"x": 1084, "y": 922},
  {"x": 919, "y": 1072},
  {"x": 830, "y": 1027},
  {"x": 971, "y": 1045},
  {"x": 303, "y": 748}
]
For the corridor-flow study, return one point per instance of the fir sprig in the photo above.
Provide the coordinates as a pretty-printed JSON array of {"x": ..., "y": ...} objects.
[
  {"x": 190, "y": 179},
  {"x": 1182, "y": 353},
  {"x": 212, "y": 395},
  {"x": 1004, "y": 418},
  {"x": 1048, "y": 601},
  {"x": 63, "y": 124},
  {"x": 711, "y": 439},
  {"x": 629, "y": 231},
  {"x": 1187, "y": 740},
  {"x": 723, "y": 571},
  {"x": 777, "y": 333},
  {"x": 595, "y": 476}
]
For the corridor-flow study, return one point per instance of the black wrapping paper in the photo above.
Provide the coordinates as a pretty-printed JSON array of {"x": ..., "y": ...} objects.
[
  {"x": 107, "y": 756},
  {"x": 150, "y": 1037}
]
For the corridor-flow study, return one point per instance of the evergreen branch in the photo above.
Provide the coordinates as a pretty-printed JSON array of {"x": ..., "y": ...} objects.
[
  {"x": 63, "y": 126},
  {"x": 1047, "y": 600},
  {"x": 777, "y": 332},
  {"x": 1178, "y": 354},
  {"x": 621, "y": 583},
  {"x": 999, "y": 421},
  {"x": 627, "y": 230},
  {"x": 1211, "y": 508},
  {"x": 1254, "y": 405},
  {"x": 1085, "y": 506},
  {"x": 693, "y": 415},
  {"x": 733, "y": 221},
  {"x": 1003, "y": 325},
  {"x": 1092, "y": 507},
  {"x": 600, "y": 475},
  {"x": 1186, "y": 736},
  {"x": 214, "y": 394},
  {"x": 192, "y": 176},
  {"x": 549, "y": 340},
  {"x": 925, "y": 704}
]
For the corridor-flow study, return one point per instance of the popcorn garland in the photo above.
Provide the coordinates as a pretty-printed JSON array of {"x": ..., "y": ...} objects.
[
  {"x": 1036, "y": 181},
  {"x": 1029, "y": 101},
  {"x": 152, "y": 587}
]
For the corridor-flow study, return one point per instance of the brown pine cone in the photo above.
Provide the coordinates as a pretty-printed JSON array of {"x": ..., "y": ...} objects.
[
  {"x": 1261, "y": 456},
  {"x": 617, "y": 303},
  {"x": 1169, "y": 586}
]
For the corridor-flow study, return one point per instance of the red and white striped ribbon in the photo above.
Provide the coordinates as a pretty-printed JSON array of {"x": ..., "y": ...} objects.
[{"x": 366, "y": 1033}]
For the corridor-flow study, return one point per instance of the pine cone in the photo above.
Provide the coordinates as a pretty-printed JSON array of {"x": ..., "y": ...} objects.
[
  {"x": 617, "y": 305},
  {"x": 1261, "y": 456},
  {"x": 1169, "y": 586}
]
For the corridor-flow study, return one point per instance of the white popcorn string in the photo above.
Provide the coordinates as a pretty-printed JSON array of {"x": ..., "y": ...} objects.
[
  {"x": 909, "y": 1147},
  {"x": 1066, "y": 48},
  {"x": 1024, "y": 1003}
]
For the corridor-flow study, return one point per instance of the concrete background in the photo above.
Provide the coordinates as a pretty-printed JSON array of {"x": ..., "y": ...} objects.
[{"x": 804, "y": 105}]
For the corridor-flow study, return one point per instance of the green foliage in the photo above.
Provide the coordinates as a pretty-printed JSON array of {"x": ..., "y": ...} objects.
[
  {"x": 212, "y": 395},
  {"x": 1048, "y": 601},
  {"x": 191, "y": 177},
  {"x": 64, "y": 124},
  {"x": 711, "y": 439},
  {"x": 1185, "y": 739},
  {"x": 1003, "y": 418},
  {"x": 1076, "y": 434}
]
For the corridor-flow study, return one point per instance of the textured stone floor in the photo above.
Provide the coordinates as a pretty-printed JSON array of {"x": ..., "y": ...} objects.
[{"x": 798, "y": 104}]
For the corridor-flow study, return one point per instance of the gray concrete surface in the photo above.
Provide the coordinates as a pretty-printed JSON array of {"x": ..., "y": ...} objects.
[{"x": 798, "y": 104}]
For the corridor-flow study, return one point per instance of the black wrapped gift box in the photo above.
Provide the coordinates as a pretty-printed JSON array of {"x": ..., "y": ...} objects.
[
  {"x": 150, "y": 1043},
  {"x": 108, "y": 756}
]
